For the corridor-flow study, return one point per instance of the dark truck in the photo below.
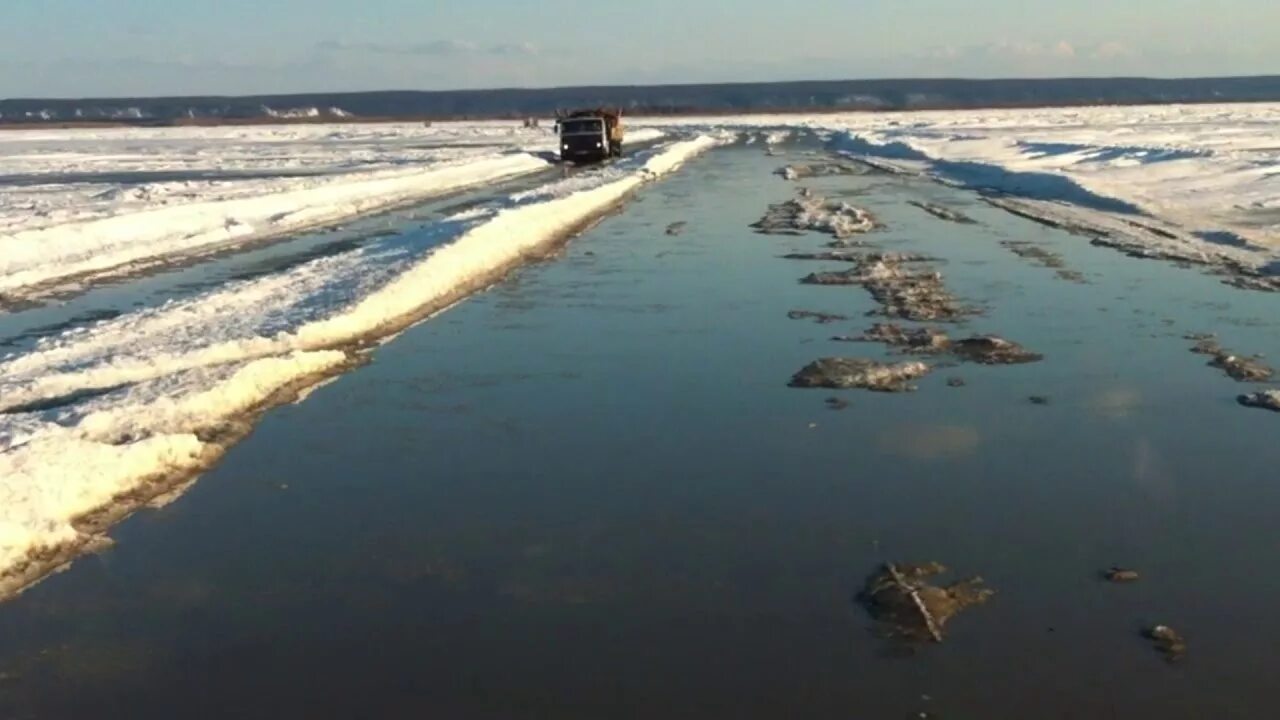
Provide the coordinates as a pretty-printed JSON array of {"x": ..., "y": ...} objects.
[{"x": 590, "y": 135}]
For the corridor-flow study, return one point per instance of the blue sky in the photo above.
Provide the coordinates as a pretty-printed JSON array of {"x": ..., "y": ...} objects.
[{"x": 149, "y": 47}]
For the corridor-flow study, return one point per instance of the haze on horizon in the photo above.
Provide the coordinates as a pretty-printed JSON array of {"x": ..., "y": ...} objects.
[{"x": 71, "y": 48}]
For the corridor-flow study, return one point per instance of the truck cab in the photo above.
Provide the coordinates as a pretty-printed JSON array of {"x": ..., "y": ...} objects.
[{"x": 590, "y": 136}]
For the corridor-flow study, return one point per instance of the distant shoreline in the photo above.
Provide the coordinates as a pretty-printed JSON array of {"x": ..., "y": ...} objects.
[
  {"x": 712, "y": 100},
  {"x": 641, "y": 113}
]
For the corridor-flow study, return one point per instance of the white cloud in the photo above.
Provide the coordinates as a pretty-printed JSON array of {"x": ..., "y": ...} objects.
[
  {"x": 442, "y": 64},
  {"x": 1061, "y": 49},
  {"x": 1027, "y": 58},
  {"x": 438, "y": 48},
  {"x": 1112, "y": 50},
  {"x": 517, "y": 49}
]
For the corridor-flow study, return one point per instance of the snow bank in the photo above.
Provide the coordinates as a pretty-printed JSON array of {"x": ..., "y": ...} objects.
[
  {"x": 40, "y": 257},
  {"x": 63, "y": 176},
  {"x": 111, "y": 415},
  {"x": 1211, "y": 170},
  {"x": 1200, "y": 188}
]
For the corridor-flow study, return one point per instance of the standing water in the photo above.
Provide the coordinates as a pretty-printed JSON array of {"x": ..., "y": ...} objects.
[{"x": 589, "y": 493}]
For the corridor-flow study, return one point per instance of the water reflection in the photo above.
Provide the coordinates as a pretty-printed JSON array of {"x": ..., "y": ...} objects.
[
  {"x": 930, "y": 443},
  {"x": 1115, "y": 403},
  {"x": 1151, "y": 472}
]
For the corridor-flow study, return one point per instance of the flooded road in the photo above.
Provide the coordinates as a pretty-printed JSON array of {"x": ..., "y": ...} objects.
[{"x": 590, "y": 493}]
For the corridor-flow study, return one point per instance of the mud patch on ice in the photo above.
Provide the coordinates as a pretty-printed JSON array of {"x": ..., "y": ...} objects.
[
  {"x": 1037, "y": 254},
  {"x": 943, "y": 212},
  {"x": 828, "y": 256},
  {"x": 1264, "y": 400},
  {"x": 901, "y": 292},
  {"x": 820, "y": 318},
  {"x": 923, "y": 341},
  {"x": 982, "y": 349},
  {"x": 860, "y": 373},
  {"x": 809, "y": 212},
  {"x": 1168, "y": 642},
  {"x": 1150, "y": 239},
  {"x": 831, "y": 168},
  {"x": 908, "y": 607},
  {"x": 1238, "y": 368},
  {"x": 993, "y": 350}
]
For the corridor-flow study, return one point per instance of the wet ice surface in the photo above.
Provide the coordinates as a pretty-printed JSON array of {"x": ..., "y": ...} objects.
[
  {"x": 93, "y": 418},
  {"x": 589, "y": 493}
]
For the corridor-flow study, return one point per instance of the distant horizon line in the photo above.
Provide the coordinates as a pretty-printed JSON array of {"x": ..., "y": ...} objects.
[{"x": 658, "y": 85}]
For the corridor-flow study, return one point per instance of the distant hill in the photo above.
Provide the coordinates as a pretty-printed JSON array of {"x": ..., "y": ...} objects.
[{"x": 656, "y": 99}]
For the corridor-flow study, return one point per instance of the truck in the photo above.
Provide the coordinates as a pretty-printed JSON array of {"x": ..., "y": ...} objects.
[{"x": 590, "y": 135}]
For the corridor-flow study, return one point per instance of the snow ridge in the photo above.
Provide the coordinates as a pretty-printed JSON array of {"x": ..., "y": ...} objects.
[{"x": 35, "y": 259}]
